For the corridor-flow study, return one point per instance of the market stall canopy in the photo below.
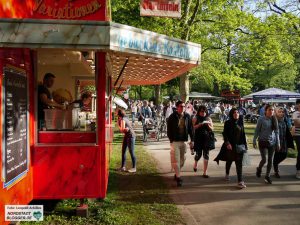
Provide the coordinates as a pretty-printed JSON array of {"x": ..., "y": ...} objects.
[
  {"x": 203, "y": 96},
  {"x": 279, "y": 100},
  {"x": 137, "y": 57},
  {"x": 273, "y": 93}
]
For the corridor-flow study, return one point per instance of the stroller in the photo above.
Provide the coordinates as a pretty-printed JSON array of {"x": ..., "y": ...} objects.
[
  {"x": 150, "y": 129},
  {"x": 162, "y": 124}
]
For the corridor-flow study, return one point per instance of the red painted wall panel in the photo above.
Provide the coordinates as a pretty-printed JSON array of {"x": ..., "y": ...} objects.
[
  {"x": 21, "y": 192},
  {"x": 59, "y": 170},
  {"x": 49, "y": 9},
  {"x": 66, "y": 137},
  {"x": 101, "y": 120},
  {"x": 67, "y": 172}
]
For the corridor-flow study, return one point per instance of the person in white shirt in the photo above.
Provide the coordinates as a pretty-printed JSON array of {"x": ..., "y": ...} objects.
[
  {"x": 133, "y": 112},
  {"x": 296, "y": 119},
  {"x": 218, "y": 112},
  {"x": 169, "y": 110},
  {"x": 189, "y": 108}
]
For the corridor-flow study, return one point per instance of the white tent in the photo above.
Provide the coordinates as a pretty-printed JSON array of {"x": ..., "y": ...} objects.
[
  {"x": 273, "y": 93},
  {"x": 203, "y": 96}
]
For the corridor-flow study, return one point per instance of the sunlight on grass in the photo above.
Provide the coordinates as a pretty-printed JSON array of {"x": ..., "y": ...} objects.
[
  {"x": 140, "y": 198},
  {"x": 249, "y": 130}
]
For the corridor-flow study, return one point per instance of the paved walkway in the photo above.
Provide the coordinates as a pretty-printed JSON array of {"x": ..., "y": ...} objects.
[{"x": 216, "y": 201}]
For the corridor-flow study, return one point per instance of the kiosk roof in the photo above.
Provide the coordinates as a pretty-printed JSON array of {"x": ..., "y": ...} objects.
[{"x": 151, "y": 58}]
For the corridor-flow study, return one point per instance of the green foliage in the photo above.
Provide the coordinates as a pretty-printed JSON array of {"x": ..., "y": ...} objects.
[
  {"x": 141, "y": 92},
  {"x": 89, "y": 89},
  {"x": 292, "y": 153},
  {"x": 240, "y": 49},
  {"x": 217, "y": 76}
]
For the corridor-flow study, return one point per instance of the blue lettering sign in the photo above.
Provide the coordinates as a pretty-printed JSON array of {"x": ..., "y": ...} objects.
[{"x": 163, "y": 47}]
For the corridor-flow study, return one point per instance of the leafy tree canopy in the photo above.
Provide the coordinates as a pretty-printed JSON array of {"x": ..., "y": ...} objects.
[{"x": 246, "y": 45}]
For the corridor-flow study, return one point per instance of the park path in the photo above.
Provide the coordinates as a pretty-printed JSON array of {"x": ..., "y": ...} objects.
[{"x": 215, "y": 201}]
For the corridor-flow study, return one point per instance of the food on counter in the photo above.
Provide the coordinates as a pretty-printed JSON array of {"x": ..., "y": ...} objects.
[{"x": 62, "y": 95}]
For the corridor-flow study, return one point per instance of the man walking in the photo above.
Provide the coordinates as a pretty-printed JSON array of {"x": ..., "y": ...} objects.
[{"x": 179, "y": 126}]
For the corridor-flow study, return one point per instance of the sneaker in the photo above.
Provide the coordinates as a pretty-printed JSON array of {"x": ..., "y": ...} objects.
[
  {"x": 122, "y": 169},
  {"x": 132, "y": 170},
  {"x": 268, "y": 180},
  {"x": 241, "y": 185},
  {"x": 258, "y": 172},
  {"x": 179, "y": 181},
  {"x": 227, "y": 178},
  {"x": 298, "y": 174},
  {"x": 277, "y": 175}
]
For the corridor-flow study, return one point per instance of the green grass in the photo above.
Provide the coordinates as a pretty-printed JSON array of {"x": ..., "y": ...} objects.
[
  {"x": 292, "y": 153},
  {"x": 249, "y": 130},
  {"x": 140, "y": 198}
]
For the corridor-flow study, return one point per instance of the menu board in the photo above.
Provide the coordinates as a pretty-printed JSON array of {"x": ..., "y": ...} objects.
[{"x": 15, "y": 134}]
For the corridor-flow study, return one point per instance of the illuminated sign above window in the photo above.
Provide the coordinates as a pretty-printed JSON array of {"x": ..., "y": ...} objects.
[
  {"x": 161, "y": 8},
  {"x": 53, "y": 9}
]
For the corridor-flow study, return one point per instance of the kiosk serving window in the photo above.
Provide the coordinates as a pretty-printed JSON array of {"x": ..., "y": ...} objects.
[{"x": 66, "y": 100}]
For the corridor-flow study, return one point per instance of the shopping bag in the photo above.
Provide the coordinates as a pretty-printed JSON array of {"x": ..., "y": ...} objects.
[{"x": 246, "y": 159}]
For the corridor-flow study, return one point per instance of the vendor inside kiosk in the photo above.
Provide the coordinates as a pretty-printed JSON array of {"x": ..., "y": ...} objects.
[{"x": 66, "y": 95}]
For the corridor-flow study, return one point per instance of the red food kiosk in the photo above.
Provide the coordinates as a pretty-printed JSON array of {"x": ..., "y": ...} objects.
[{"x": 68, "y": 157}]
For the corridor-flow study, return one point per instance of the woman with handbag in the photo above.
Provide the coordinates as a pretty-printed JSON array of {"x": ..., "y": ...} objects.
[
  {"x": 267, "y": 133},
  {"x": 202, "y": 125},
  {"x": 285, "y": 138},
  {"x": 128, "y": 140},
  {"x": 234, "y": 146}
]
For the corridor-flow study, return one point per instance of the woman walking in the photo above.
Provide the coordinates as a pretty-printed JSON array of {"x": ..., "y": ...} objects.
[
  {"x": 234, "y": 136},
  {"x": 133, "y": 112},
  {"x": 268, "y": 139},
  {"x": 128, "y": 140},
  {"x": 285, "y": 138},
  {"x": 202, "y": 125}
]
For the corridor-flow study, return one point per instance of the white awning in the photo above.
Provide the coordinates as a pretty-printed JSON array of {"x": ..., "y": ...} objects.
[
  {"x": 152, "y": 58},
  {"x": 273, "y": 93}
]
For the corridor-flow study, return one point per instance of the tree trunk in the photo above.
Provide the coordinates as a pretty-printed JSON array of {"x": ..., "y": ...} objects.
[
  {"x": 184, "y": 87},
  {"x": 187, "y": 21},
  {"x": 157, "y": 94},
  {"x": 140, "y": 92}
]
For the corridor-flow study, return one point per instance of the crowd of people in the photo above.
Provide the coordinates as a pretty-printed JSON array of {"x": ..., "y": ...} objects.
[
  {"x": 220, "y": 110},
  {"x": 192, "y": 121}
]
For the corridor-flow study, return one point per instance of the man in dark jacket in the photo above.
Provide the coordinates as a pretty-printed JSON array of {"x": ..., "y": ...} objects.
[{"x": 179, "y": 127}]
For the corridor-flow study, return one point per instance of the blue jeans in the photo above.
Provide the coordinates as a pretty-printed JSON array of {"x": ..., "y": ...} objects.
[
  {"x": 128, "y": 141},
  {"x": 297, "y": 139},
  {"x": 133, "y": 117}
]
